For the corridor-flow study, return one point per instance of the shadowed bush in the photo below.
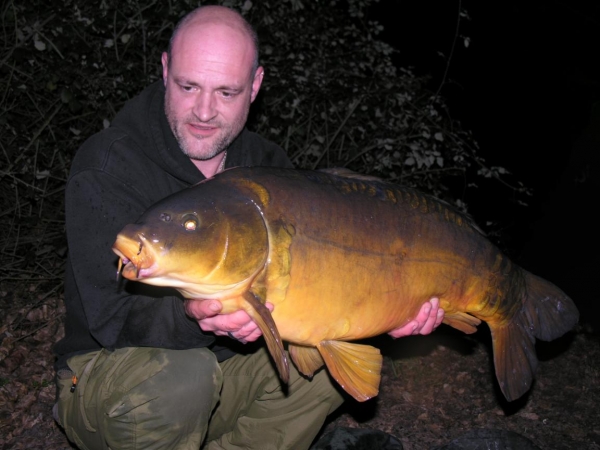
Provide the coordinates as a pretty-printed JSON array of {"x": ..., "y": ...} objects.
[{"x": 331, "y": 97}]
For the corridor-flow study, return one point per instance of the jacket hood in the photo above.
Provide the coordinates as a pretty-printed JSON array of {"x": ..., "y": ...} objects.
[{"x": 154, "y": 135}]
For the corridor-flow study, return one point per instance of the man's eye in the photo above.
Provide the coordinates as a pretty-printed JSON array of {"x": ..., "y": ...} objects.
[{"x": 226, "y": 94}]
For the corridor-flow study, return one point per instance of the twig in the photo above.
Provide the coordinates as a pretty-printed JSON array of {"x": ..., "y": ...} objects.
[
  {"x": 46, "y": 181},
  {"x": 479, "y": 162},
  {"x": 8, "y": 82},
  {"x": 48, "y": 322},
  {"x": 449, "y": 59},
  {"x": 366, "y": 150},
  {"x": 37, "y": 134},
  {"x": 339, "y": 129},
  {"x": 430, "y": 170},
  {"x": 53, "y": 275},
  {"x": 115, "y": 36},
  {"x": 51, "y": 44},
  {"x": 18, "y": 180},
  {"x": 144, "y": 37},
  {"x": 25, "y": 38}
]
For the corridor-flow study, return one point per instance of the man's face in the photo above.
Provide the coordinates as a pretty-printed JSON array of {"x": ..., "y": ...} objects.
[{"x": 209, "y": 85}]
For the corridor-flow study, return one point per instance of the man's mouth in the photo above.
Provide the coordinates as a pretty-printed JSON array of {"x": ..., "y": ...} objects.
[{"x": 202, "y": 130}]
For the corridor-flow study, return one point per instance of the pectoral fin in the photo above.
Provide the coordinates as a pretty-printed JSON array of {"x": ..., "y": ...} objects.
[
  {"x": 262, "y": 316},
  {"x": 356, "y": 367},
  {"x": 462, "y": 321},
  {"x": 307, "y": 359}
]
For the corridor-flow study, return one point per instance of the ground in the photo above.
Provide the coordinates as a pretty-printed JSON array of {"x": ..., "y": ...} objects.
[{"x": 434, "y": 388}]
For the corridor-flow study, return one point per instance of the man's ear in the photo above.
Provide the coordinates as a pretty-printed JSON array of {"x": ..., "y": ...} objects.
[
  {"x": 256, "y": 82},
  {"x": 165, "y": 65}
]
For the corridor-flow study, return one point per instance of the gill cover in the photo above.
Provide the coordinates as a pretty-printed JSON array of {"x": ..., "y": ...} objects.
[{"x": 206, "y": 241}]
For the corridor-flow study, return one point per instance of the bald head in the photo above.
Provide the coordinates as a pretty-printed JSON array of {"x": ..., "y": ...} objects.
[
  {"x": 211, "y": 76},
  {"x": 214, "y": 15}
]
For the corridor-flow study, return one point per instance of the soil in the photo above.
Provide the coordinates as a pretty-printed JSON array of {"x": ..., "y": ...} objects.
[{"x": 434, "y": 388}]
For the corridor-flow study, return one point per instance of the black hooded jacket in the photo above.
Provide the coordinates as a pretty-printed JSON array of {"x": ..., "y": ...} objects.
[{"x": 115, "y": 176}]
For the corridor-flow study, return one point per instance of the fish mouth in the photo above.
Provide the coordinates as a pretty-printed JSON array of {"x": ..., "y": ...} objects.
[{"x": 136, "y": 260}]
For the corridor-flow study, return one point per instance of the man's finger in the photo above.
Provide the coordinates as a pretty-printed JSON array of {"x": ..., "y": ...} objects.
[
  {"x": 439, "y": 318},
  {"x": 201, "y": 309},
  {"x": 431, "y": 321}
]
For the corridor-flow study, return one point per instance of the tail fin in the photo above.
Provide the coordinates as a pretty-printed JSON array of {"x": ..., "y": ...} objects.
[
  {"x": 546, "y": 313},
  {"x": 549, "y": 310}
]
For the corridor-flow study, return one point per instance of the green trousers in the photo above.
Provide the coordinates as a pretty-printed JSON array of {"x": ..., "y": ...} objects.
[{"x": 150, "y": 398}]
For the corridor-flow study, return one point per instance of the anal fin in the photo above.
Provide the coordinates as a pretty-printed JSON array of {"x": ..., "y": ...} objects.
[
  {"x": 307, "y": 359},
  {"x": 263, "y": 318},
  {"x": 356, "y": 367}
]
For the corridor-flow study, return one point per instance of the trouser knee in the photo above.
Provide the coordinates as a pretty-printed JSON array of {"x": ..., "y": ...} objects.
[
  {"x": 138, "y": 397},
  {"x": 187, "y": 386}
]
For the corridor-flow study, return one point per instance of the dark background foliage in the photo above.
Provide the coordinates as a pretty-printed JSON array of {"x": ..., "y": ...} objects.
[
  {"x": 354, "y": 83},
  {"x": 332, "y": 97}
]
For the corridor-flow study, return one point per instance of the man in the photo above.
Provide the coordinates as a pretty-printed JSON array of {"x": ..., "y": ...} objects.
[{"x": 138, "y": 367}]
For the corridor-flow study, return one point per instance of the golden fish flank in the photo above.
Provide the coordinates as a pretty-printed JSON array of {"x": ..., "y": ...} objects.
[{"x": 342, "y": 257}]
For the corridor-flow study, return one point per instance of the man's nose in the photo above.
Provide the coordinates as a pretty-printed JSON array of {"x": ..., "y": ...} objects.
[{"x": 205, "y": 106}]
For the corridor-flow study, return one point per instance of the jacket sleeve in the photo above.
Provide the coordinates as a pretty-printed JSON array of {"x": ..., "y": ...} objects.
[{"x": 118, "y": 313}]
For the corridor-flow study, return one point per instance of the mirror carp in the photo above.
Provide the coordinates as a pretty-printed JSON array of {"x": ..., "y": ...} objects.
[{"x": 342, "y": 257}]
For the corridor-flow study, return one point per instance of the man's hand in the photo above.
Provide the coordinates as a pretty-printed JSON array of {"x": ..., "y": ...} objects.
[
  {"x": 237, "y": 325},
  {"x": 429, "y": 318},
  {"x": 240, "y": 326}
]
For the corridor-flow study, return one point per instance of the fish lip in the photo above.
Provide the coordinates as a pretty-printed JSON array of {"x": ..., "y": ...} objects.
[
  {"x": 121, "y": 255},
  {"x": 132, "y": 272},
  {"x": 138, "y": 265},
  {"x": 146, "y": 272}
]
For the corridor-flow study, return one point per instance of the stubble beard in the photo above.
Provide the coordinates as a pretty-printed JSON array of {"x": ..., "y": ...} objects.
[{"x": 200, "y": 148}]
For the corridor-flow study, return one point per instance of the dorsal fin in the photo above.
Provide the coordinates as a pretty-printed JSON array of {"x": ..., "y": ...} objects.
[
  {"x": 347, "y": 173},
  {"x": 416, "y": 199}
]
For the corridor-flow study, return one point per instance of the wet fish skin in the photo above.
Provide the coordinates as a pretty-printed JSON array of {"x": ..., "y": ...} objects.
[{"x": 342, "y": 257}]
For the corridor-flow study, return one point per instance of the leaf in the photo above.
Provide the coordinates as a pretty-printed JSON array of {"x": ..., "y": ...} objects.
[
  {"x": 66, "y": 96},
  {"x": 41, "y": 174},
  {"x": 41, "y": 46}
]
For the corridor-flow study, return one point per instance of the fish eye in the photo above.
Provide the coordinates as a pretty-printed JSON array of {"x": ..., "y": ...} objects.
[
  {"x": 165, "y": 217},
  {"x": 190, "y": 223}
]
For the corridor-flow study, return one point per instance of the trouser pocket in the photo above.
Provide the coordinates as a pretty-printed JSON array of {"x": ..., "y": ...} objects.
[
  {"x": 69, "y": 410},
  {"x": 64, "y": 381}
]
